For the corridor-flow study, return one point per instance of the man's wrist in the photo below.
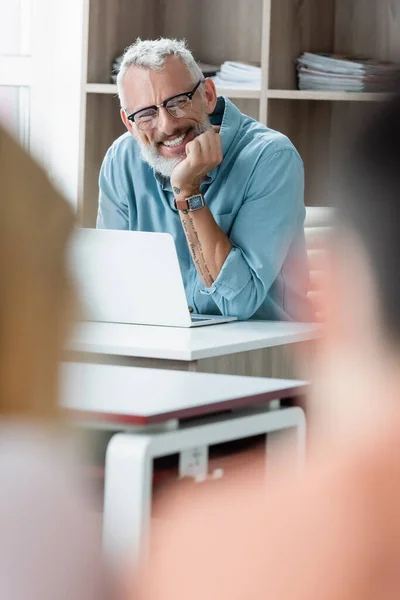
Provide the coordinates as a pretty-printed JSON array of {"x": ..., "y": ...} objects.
[
  {"x": 190, "y": 203},
  {"x": 181, "y": 193}
]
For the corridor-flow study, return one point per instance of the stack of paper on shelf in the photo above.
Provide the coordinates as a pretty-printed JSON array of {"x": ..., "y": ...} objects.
[
  {"x": 338, "y": 72},
  {"x": 238, "y": 75}
]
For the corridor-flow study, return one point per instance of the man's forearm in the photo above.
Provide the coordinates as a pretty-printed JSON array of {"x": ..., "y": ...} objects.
[{"x": 208, "y": 244}]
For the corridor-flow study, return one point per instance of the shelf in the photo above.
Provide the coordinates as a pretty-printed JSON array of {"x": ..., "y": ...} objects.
[
  {"x": 110, "y": 88},
  {"x": 101, "y": 88},
  {"x": 328, "y": 96},
  {"x": 231, "y": 93}
]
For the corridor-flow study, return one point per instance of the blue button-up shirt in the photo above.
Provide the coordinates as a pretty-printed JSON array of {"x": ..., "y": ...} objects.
[{"x": 256, "y": 197}]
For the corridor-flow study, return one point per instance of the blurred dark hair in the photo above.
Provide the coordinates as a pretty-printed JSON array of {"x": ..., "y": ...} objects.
[{"x": 369, "y": 205}]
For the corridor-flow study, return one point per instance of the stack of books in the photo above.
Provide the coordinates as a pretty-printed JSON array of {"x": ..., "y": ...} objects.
[
  {"x": 338, "y": 72},
  {"x": 238, "y": 75}
]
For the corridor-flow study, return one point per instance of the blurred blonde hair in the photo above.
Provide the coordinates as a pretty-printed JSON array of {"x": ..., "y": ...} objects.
[{"x": 36, "y": 298}]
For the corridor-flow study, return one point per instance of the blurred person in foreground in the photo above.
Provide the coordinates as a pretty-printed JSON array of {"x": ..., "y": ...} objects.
[
  {"x": 48, "y": 547},
  {"x": 333, "y": 532}
]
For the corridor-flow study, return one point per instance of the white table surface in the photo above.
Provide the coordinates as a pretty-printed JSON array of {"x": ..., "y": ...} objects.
[
  {"x": 133, "y": 395},
  {"x": 173, "y": 343}
]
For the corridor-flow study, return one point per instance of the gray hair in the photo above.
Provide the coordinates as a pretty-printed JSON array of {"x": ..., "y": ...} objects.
[{"x": 151, "y": 55}]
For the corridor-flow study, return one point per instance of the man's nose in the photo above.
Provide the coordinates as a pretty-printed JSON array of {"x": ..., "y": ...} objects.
[{"x": 166, "y": 122}]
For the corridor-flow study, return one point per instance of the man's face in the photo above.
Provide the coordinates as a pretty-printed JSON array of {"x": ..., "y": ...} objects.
[{"x": 164, "y": 146}]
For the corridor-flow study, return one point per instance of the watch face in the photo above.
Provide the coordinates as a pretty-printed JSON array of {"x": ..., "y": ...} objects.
[{"x": 196, "y": 202}]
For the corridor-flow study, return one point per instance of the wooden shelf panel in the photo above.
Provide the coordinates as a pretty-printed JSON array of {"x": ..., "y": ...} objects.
[
  {"x": 328, "y": 96},
  {"x": 110, "y": 88},
  {"x": 230, "y": 93},
  {"x": 368, "y": 28},
  {"x": 215, "y": 31},
  {"x": 323, "y": 132}
]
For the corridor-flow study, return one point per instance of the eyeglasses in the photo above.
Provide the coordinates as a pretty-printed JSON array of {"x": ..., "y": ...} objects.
[{"x": 178, "y": 106}]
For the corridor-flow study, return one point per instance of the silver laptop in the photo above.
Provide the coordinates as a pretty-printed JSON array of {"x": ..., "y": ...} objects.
[{"x": 132, "y": 277}]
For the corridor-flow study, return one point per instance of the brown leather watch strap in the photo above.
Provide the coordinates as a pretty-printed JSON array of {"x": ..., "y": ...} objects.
[{"x": 182, "y": 205}]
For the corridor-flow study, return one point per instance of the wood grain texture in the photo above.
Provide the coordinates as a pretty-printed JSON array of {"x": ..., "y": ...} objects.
[
  {"x": 292, "y": 361},
  {"x": 248, "y": 107},
  {"x": 308, "y": 125},
  {"x": 368, "y": 28},
  {"x": 322, "y": 133},
  {"x": 103, "y": 126},
  {"x": 148, "y": 363},
  {"x": 347, "y": 120},
  {"x": 113, "y": 25},
  {"x": 326, "y": 96},
  {"x": 216, "y": 31},
  {"x": 364, "y": 28},
  {"x": 265, "y": 60},
  {"x": 297, "y": 26}
]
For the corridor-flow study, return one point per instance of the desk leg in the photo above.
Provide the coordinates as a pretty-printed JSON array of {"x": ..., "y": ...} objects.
[
  {"x": 286, "y": 446},
  {"x": 128, "y": 476},
  {"x": 127, "y": 492}
]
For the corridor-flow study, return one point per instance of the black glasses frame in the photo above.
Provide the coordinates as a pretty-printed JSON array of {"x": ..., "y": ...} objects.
[{"x": 164, "y": 104}]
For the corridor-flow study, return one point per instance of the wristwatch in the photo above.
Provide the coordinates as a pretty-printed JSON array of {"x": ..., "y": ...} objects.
[{"x": 189, "y": 204}]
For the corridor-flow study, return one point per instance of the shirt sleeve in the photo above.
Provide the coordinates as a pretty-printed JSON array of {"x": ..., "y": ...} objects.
[
  {"x": 113, "y": 211},
  {"x": 270, "y": 218}
]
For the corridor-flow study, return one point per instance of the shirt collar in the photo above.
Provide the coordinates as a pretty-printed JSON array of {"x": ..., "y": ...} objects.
[
  {"x": 164, "y": 181},
  {"x": 229, "y": 124},
  {"x": 227, "y": 116}
]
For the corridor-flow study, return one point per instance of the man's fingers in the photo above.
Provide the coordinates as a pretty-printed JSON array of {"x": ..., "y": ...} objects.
[
  {"x": 206, "y": 143},
  {"x": 193, "y": 149},
  {"x": 205, "y": 149}
]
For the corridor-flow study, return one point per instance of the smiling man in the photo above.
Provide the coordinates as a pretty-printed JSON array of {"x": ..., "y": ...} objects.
[{"x": 228, "y": 189}]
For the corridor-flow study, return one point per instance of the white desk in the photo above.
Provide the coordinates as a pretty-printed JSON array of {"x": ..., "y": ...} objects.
[
  {"x": 238, "y": 348},
  {"x": 150, "y": 406}
]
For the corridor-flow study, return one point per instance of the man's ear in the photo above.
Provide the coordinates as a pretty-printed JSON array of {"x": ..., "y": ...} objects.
[
  {"x": 210, "y": 95},
  {"x": 128, "y": 124}
]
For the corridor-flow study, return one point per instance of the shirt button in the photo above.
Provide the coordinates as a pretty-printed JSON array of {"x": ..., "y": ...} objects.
[{"x": 191, "y": 309}]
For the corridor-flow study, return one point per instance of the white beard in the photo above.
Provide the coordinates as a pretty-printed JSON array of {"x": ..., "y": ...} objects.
[{"x": 160, "y": 164}]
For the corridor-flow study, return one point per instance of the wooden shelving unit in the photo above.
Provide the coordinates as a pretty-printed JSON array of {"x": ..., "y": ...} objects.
[
  {"x": 270, "y": 32},
  {"x": 327, "y": 96},
  {"x": 110, "y": 88}
]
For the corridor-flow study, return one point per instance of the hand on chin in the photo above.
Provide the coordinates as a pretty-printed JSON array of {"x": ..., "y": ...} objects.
[
  {"x": 203, "y": 154},
  {"x": 182, "y": 177}
]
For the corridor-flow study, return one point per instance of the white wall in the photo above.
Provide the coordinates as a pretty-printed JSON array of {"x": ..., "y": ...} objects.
[{"x": 59, "y": 57}]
